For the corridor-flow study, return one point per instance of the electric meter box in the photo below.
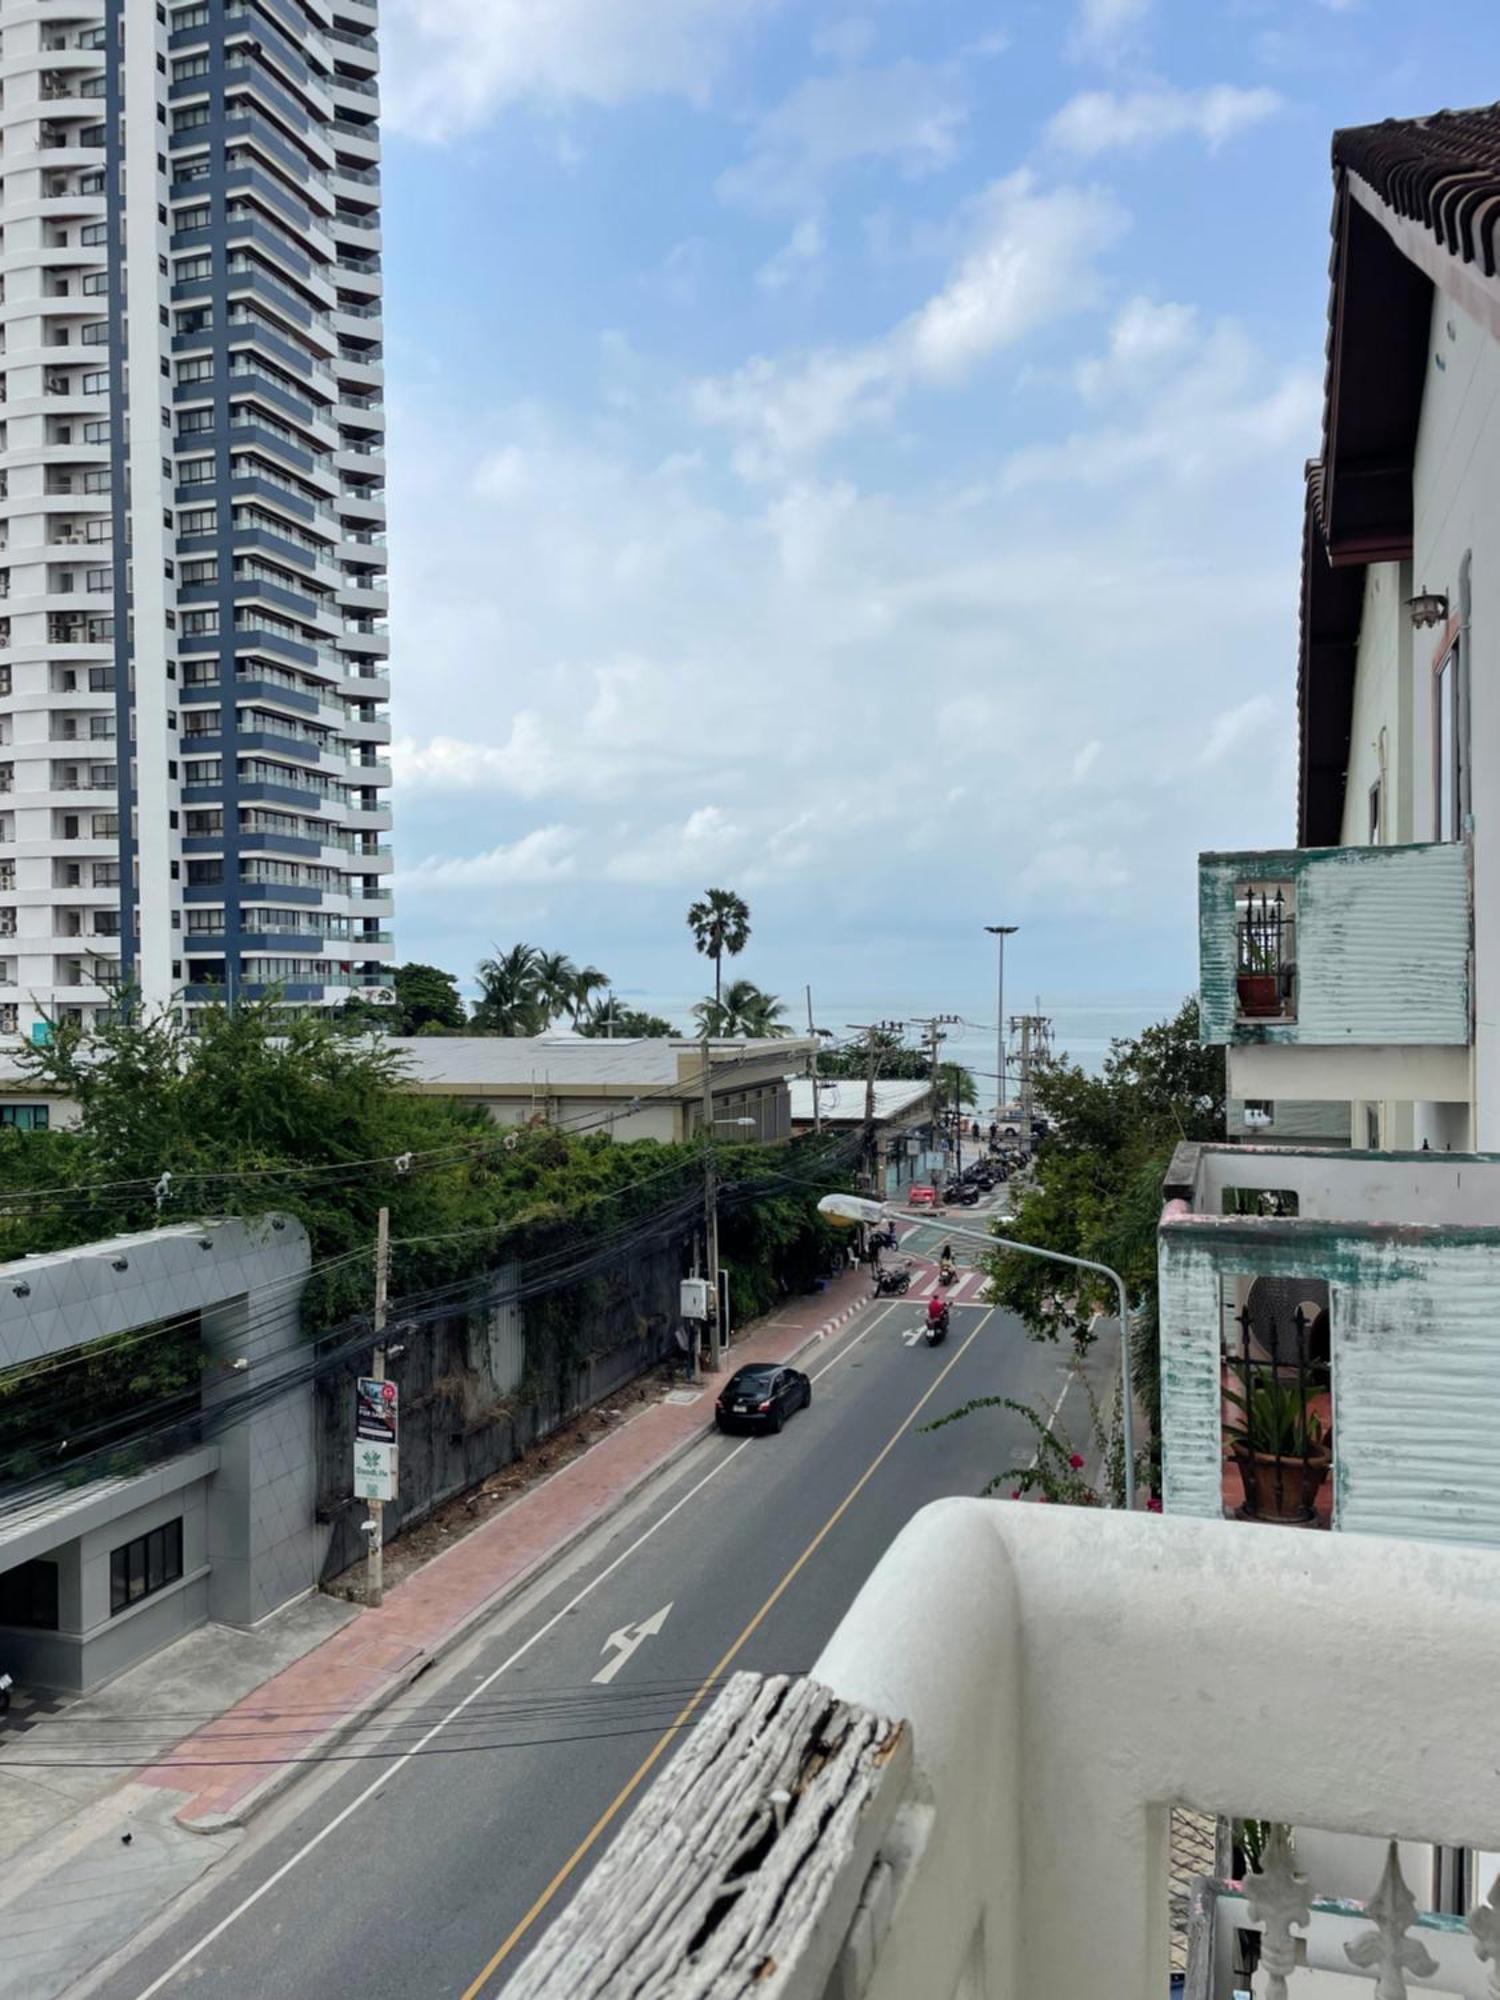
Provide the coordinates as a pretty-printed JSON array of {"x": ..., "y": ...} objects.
[{"x": 693, "y": 1300}]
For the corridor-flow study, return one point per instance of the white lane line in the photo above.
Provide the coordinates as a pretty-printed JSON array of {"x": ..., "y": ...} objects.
[{"x": 379, "y": 1784}]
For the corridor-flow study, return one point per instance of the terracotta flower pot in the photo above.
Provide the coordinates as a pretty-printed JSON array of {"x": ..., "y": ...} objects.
[
  {"x": 1259, "y": 994},
  {"x": 1281, "y": 1489}
]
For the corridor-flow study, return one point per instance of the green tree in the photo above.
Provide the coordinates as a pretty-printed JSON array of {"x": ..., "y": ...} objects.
[
  {"x": 720, "y": 924},
  {"x": 510, "y": 993},
  {"x": 956, "y": 1086},
  {"x": 587, "y": 981},
  {"x": 893, "y": 1058},
  {"x": 1095, "y": 1186},
  {"x": 556, "y": 984},
  {"x": 608, "y": 1017},
  {"x": 427, "y": 1000},
  {"x": 743, "y": 1010}
]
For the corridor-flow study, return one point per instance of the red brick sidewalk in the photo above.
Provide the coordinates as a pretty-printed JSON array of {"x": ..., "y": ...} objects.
[{"x": 329, "y": 1691}]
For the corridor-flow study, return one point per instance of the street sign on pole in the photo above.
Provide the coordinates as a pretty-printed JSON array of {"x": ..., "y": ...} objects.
[
  {"x": 376, "y": 1407},
  {"x": 375, "y": 1470}
]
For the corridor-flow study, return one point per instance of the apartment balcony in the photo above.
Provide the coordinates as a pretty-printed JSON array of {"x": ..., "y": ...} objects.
[
  {"x": 1338, "y": 972},
  {"x": 971, "y": 1794},
  {"x": 1327, "y": 1339}
]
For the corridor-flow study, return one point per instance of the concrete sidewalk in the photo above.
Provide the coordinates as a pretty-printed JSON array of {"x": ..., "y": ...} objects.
[{"x": 303, "y": 1711}]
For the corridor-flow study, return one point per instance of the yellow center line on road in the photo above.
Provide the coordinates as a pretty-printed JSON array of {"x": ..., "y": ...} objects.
[{"x": 627, "y": 1791}]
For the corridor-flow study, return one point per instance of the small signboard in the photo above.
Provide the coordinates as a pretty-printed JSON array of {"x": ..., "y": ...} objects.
[
  {"x": 376, "y": 1404},
  {"x": 375, "y": 1470}
]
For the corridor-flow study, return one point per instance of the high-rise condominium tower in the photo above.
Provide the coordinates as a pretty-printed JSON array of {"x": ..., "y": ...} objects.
[{"x": 193, "y": 672}]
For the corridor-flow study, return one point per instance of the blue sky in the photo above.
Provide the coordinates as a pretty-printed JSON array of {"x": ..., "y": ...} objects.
[{"x": 853, "y": 456}]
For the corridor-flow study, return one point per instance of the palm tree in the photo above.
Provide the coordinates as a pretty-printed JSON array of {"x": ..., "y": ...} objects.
[
  {"x": 587, "y": 981},
  {"x": 510, "y": 1000},
  {"x": 720, "y": 923},
  {"x": 742, "y": 1010},
  {"x": 556, "y": 977},
  {"x": 956, "y": 1085}
]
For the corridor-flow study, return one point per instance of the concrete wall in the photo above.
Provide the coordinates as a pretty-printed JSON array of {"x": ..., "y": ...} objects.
[
  {"x": 92, "y": 1643},
  {"x": 1456, "y": 497},
  {"x": 1382, "y": 946},
  {"x": 1416, "y": 1393},
  {"x": 1294, "y": 1121},
  {"x": 1380, "y": 737},
  {"x": 250, "y": 1540},
  {"x": 474, "y": 1398},
  {"x": 1354, "y": 1186}
]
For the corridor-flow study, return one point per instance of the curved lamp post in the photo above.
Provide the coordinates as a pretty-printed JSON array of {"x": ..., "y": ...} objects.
[{"x": 854, "y": 1208}]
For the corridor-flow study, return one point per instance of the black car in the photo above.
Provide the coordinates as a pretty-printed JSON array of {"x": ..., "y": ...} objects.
[{"x": 761, "y": 1397}]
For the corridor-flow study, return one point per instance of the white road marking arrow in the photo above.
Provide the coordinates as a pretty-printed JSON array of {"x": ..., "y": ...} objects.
[
  {"x": 627, "y": 1641},
  {"x": 913, "y": 1334}
]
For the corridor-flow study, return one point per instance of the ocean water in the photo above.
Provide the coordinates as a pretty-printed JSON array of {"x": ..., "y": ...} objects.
[{"x": 1083, "y": 1025}]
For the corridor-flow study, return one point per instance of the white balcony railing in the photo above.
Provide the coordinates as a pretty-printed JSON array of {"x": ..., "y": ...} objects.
[{"x": 1065, "y": 1677}]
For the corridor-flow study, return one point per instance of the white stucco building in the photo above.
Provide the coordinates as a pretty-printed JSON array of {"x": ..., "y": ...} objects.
[{"x": 1362, "y": 966}]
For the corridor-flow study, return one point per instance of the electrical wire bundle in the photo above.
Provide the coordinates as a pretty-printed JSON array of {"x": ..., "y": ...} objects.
[{"x": 165, "y": 1427}]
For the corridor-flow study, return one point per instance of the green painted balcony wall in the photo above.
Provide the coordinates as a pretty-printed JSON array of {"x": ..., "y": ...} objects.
[{"x": 1382, "y": 945}]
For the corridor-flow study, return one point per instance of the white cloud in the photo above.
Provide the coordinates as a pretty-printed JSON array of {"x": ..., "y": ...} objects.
[
  {"x": 546, "y": 854},
  {"x": 828, "y": 694},
  {"x": 1236, "y": 728},
  {"x": 1104, "y": 27},
  {"x": 910, "y": 114},
  {"x": 1145, "y": 339},
  {"x": 1218, "y": 407},
  {"x": 846, "y": 41},
  {"x": 1031, "y": 258},
  {"x": 450, "y": 63},
  {"x": 797, "y": 259},
  {"x": 1086, "y": 759},
  {"x": 1101, "y": 121}
]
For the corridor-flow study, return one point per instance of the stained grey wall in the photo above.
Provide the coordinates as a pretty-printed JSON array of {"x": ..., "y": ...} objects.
[{"x": 468, "y": 1405}]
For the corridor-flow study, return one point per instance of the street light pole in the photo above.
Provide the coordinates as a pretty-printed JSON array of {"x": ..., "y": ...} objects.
[
  {"x": 1000, "y": 932},
  {"x": 849, "y": 1208}
]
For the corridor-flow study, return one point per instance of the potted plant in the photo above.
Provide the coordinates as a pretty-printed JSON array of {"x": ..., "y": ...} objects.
[
  {"x": 1258, "y": 982},
  {"x": 1280, "y": 1448}
]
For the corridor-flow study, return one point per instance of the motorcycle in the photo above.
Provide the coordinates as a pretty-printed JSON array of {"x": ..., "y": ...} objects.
[
  {"x": 947, "y": 1272},
  {"x": 885, "y": 1239},
  {"x": 936, "y": 1330},
  {"x": 962, "y": 1194},
  {"x": 892, "y": 1283}
]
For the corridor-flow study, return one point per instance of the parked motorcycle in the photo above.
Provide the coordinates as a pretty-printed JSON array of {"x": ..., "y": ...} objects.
[{"x": 893, "y": 1282}]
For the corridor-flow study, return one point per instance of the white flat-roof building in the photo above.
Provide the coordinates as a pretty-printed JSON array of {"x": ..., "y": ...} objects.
[{"x": 630, "y": 1089}]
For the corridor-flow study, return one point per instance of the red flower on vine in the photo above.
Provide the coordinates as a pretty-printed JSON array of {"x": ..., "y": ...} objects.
[
  {"x": 1153, "y": 1506},
  {"x": 1076, "y": 1461}
]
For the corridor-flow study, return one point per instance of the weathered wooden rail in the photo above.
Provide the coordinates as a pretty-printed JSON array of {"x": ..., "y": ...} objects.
[{"x": 741, "y": 1871}]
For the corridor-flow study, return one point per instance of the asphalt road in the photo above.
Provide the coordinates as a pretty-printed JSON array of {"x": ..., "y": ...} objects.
[{"x": 435, "y": 1874}]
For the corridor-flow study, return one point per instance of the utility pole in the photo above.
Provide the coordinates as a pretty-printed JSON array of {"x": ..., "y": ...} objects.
[
  {"x": 812, "y": 1065},
  {"x": 711, "y": 1215},
  {"x": 934, "y": 1024},
  {"x": 872, "y": 1031},
  {"x": 1036, "y": 1046},
  {"x": 1000, "y": 932},
  {"x": 375, "y": 1560}
]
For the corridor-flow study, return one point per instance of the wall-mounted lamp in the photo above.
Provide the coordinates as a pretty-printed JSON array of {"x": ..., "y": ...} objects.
[
  {"x": 1428, "y": 607},
  {"x": 395, "y": 1351},
  {"x": 238, "y": 1367}
]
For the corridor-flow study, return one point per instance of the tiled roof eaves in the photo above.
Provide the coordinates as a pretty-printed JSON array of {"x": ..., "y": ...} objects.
[{"x": 1442, "y": 171}]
